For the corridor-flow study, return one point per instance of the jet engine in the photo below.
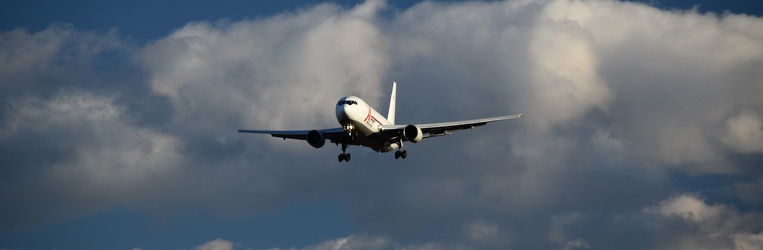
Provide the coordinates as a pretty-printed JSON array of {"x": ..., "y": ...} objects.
[
  {"x": 413, "y": 133},
  {"x": 316, "y": 139}
]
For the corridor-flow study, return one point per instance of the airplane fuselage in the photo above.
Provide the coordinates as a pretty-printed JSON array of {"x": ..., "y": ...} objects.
[{"x": 365, "y": 122}]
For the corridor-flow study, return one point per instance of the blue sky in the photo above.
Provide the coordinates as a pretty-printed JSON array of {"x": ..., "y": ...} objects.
[
  {"x": 149, "y": 20},
  {"x": 643, "y": 127}
]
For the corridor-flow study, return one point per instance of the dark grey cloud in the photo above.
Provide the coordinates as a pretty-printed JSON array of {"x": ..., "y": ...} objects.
[{"x": 618, "y": 97}]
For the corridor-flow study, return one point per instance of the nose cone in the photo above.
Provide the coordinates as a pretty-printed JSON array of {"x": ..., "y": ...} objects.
[
  {"x": 341, "y": 111},
  {"x": 341, "y": 115}
]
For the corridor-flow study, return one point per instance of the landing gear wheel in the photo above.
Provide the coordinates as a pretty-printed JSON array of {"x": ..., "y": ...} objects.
[
  {"x": 401, "y": 154},
  {"x": 344, "y": 157}
]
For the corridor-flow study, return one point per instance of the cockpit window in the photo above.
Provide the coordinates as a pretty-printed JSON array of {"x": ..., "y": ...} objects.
[{"x": 340, "y": 103}]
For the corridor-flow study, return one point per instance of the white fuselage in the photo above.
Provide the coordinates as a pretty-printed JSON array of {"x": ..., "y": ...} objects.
[{"x": 364, "y": 122}]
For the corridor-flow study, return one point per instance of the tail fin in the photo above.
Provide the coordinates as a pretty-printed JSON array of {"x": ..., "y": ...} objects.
[{"x": 391, "y": 113}]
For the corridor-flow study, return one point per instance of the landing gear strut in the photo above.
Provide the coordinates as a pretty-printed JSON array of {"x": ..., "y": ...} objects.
[
  {"x": 400, "y": 153},
  {"x": 344, "y": 156}
]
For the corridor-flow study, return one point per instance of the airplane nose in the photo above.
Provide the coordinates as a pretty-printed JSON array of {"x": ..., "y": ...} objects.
[{"x": 341, "y": 114}]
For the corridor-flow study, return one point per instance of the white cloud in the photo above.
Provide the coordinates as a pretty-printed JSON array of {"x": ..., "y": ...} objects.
[
  {"x": 744, "y": 133},
  {"x": 670, "y": 95},
  {"x": 354, "y": 242},
  {"x": 604, "y": 141},
  {"x": 287, "y": 69},
  {"x": 365, "y": 241},
  {"x": 565, "y": 81},
  {"x": 217, "y": 244},
  {"x": 481, "y": 231},
  {"x": 690, "y": 208},
  {"x": 718, "y": 226}
]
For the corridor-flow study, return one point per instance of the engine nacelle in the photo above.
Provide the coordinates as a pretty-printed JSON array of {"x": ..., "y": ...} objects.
[
  {"x": 413, "y": 133},
  {"x": 316, "y": 139}
]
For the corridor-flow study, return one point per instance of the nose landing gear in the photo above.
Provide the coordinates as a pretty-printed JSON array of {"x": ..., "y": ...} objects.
[{"x": 350, "y": 129}]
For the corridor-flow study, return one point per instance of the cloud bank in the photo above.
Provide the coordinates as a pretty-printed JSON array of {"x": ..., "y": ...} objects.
[{"x": 627, "y": 107}]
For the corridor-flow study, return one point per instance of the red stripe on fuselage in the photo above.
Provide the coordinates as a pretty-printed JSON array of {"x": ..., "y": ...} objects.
[{"x": 369, "y": 115}]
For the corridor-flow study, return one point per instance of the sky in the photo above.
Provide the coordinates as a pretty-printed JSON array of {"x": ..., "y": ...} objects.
[{"x": 642, "y": 126}]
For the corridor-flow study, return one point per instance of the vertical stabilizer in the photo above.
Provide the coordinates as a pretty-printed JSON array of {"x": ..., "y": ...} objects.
[{"x": 391, "y": 113}]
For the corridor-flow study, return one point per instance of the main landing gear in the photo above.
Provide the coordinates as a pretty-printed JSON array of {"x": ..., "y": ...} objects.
[
  {"x": 400, "y": 153},
  {"x": 344, "y": 156}
]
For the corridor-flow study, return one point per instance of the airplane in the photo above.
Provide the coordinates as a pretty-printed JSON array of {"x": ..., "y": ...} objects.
[{"x": 364, "y": 126}]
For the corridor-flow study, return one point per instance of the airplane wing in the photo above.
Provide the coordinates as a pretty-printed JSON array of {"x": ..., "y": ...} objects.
[
  {"x": 444, "y": 128},
  {"x": 335, "y": 135}
]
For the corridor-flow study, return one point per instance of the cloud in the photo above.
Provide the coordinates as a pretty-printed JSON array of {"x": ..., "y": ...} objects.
[
  {"x": 744, "y": 133},
  {"x": 690, "y": 208},
  {"x": 714, "y": 226},
  {"x": 354, "y": 242},
  {"x": 626, "y": 107},
  {"x": 146, "y": 144},
  {"x": 218, "y": 244},
  {"x": 666, "y": 109},
  {"x": 267, "y": 72},
  {"x": 105, "y": 160}
]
